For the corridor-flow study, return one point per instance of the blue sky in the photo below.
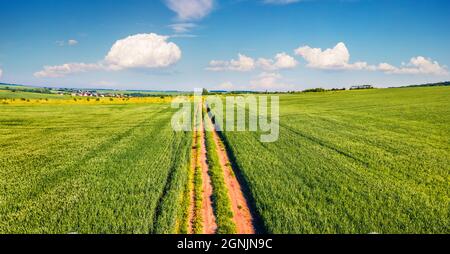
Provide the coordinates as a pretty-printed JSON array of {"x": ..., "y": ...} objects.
[{"x": 218, "y": 44}]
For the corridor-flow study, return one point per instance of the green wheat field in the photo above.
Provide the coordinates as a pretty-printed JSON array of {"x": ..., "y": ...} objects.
[{"x": 360, "y": 161}]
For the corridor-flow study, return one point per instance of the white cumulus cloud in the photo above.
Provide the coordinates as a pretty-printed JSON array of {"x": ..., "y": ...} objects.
[
  {"x": 385, "y": 67},
  {"x": 336, "y": 58},
  {"x": 281, "y": 61},
  {"x": 246, "y": 63},
  {"x": 190, "y": 9},
  {"x": 65, "y": 69},
  {"x": 1, "y": 73},
  {"x": 136, "y": 51},
  {"x": 243, "y": 63},
  {"x": 143, "y": 51},
  {"x": 416, "y": 65}
]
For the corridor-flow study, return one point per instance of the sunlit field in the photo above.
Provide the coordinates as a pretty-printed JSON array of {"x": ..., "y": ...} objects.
[
  {"x": 80, "y": 168},
  {"x": 353, "y": 162},
  {"x": 346, "y": 162}
]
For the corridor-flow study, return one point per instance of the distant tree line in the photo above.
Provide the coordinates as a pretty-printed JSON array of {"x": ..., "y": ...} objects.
[
  {"x": 30, "y": 90},
  {"x": 445, "y": 83},
  {"x": 361, "y": 87},
  {"x": 314, "y": 90}
]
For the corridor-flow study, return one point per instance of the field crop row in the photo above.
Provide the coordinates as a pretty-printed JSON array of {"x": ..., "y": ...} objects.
[
  {"x": 353, "y": 162},
  {"x": 90, "y": 169},
  {"x": 345, "y": 162}
]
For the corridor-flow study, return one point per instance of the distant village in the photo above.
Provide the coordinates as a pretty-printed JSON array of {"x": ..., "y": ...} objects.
[
  {"x": 82, "y": 93},
  {"x": 75, "y": 92}
]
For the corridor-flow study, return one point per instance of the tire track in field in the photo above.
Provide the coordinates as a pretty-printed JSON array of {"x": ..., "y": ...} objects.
[
  {"x": 209, "y": 219},
  {"x": 176, "y": 152},
  {"x": 325, "y": 144},
  {"x": 242, "y": 215},
  {"x": 194, "y": 220},
  {"x": 201, "y": 218},
  {"x": 319, "y": 142}
]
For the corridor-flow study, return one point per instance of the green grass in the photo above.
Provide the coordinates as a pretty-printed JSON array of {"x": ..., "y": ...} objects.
[
  {"x": 7, "y": 95},
  {"x": 198, "y": 206},
  {"x": 353, "y": 162},
  {"x": 143, "y": 92},
  {"x": 90, "y": 168},
  {"x": 346, "y": 162},
  {"x": 222, "y": 203},
  {"x": 198, "y": 192},
  {"x": 183, "y": 225}
]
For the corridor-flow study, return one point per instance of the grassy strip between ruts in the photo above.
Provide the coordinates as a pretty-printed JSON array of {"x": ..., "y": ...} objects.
[
  {"x": 197, "y": 224},
  {"x": 224, "y": 214},
  {"x": 194, "y": 186}
]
